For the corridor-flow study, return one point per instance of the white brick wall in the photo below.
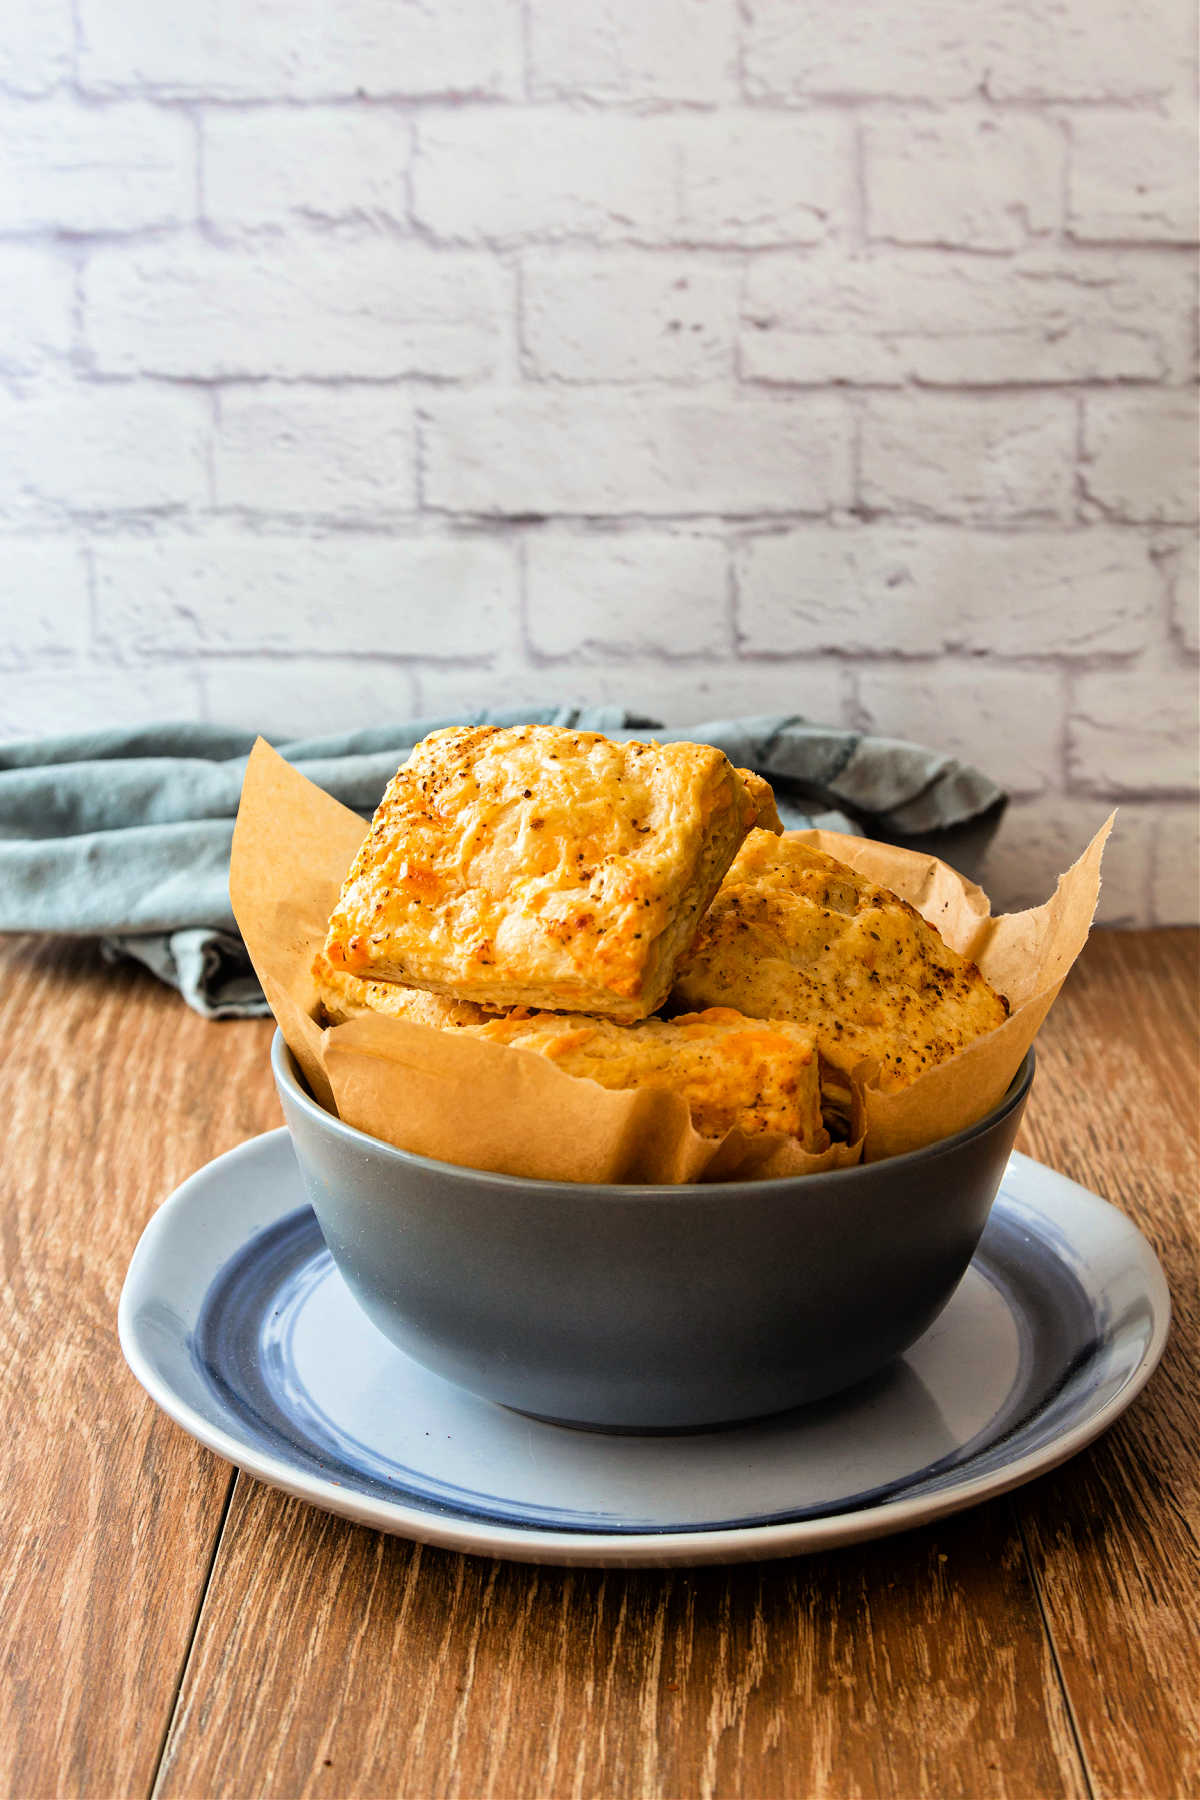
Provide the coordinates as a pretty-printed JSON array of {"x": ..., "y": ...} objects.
[
  {"x": 614, "y": 50},
  {"x": 370, "y": 309},
  {"x": 263, "y": 452},
  {"x": 315, "y": 163},
  {"x": 345, "y": 595},
  {"x": 946, "y": 319},
  {"x": 628, "y": 317},
  {"x": 969, "y": 456},
  {"x": 520, "y": 453},
  {"x": 37, "y": 309},
  {"x": 984, "y": 181},
  {"x": 99, "y": 168},
  {"x": 710, "y": 356}
]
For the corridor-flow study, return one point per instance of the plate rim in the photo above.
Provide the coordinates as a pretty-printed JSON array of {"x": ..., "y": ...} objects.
[{"x": 661, "y": 1548}]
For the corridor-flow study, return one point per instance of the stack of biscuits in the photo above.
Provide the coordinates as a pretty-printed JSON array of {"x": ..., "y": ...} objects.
[{"x": 632, "y": 912}]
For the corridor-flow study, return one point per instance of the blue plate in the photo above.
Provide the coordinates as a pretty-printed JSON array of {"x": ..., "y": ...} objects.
[{"x": 236, "y": 1322}]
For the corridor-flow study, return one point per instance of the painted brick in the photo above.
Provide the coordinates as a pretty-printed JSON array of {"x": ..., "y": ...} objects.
[
  {"x": 312, "y": 163},
  {"x": 509, "y": 176},
  {"x": 1086, "y": 49},
  {"x": 906, "y": 316},
  {"x": 378, "y": 596},
  {"x": 37, "y": 46},
  {"x": 517, "y": 454},
  {"x": 627, "y": 317},
  {"x": 1007, "y": 722},
  {"x": 449, "y": 690},
  {"x": 1184, "y": 575},
  {"x": 1139, "y": 457},
  {"x": 968, "y": 456},
  {"x": 44, "y": 605},
  {"x": 985, "y": 183},
  {"x": 625, "y": 50},
  {"x": 1015, "y": 49},
  {"x": 111, "y": 168},
  {"x": 329, "y": 451},
  {"x": 1038, "y": 840},
  {"x": 1132, "y": 176},
  {"x": 795, "y": 49},
  {"x": 303, "y": 696},
  {"x": 918, "y": 592},
  {"x": 1053, "y": 594},
  {"x": 103, "y": 449},
  {"x": 372, "y": 309},
  {"x": 91, "y": 699},
  {"x": 38, "y": 287},
  {"x": 818, "y": 588},
  {"x": 1134, "y": 731},
  {"x": 302, "y": 49},
  {"x": 762, "y": 179},
  {"x": 640, "y": 148},
  {"x": 627, "y": 593},
  {"x": 677, "y": 694},
  {"x": 1175, "y": 854}
]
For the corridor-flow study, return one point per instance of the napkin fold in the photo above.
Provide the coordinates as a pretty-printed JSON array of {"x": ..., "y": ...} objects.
[{"x": 125, "y": 835}]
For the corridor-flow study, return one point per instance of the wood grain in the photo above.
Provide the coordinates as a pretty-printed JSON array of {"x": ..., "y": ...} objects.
[
  {"x": 108, "y": 1514},
  {"x": 1115, "y": 1535},
  {"x": 334, "y": 1661},
  {"x": 1043, "y": 1645},
  {"x": 875, "y": 1671}
]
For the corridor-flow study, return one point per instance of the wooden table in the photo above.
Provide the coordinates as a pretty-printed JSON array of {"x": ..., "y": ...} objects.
[{"x": 173, "y": 1627}]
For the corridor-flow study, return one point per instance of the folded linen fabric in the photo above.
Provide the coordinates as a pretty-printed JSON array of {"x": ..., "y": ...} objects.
[{"x": 125, "y": 835}]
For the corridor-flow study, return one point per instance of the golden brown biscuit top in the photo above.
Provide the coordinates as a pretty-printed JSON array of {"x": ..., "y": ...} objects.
[
  {"x": 794, "y": 933},
  {"x": 542, "y": 866}
]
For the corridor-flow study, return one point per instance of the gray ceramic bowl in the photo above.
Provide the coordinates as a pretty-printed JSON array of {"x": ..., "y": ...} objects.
[{"x": 648, "y": 1308}]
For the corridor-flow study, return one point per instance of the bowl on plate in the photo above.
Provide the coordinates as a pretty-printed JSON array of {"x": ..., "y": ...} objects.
[{"x": 649, "y": 1308}]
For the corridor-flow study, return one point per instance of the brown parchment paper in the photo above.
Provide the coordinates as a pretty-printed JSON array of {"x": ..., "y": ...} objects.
[{"x": 486, "y": 1106}]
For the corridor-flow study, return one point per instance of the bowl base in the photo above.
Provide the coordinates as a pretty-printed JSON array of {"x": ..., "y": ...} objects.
[{"x": 647, "y": 1431}]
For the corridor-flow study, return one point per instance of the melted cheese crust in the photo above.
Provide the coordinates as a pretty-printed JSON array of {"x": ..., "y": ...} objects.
[
  {"x": 538, "y": 866},
  {"x": 759, "y": 1076},
  {"x": 753, "y": 1074},
  {"x": 795, "y": 934}
]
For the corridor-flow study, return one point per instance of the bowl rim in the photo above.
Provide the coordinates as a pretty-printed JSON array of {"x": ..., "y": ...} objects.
[{"x": 287, "y": 1076}]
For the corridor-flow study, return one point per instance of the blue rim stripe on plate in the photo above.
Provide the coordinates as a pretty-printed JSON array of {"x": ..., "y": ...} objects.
[
  {"x": 200, "y": 1231},
  {"x": 242, "y": 1340}
]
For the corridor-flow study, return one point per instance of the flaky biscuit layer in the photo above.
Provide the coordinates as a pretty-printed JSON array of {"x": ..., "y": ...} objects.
[
  {"x": 795, "y": 934},
  {"x": 542, "y": 867},
  {"x": 753, "y": 1074}
]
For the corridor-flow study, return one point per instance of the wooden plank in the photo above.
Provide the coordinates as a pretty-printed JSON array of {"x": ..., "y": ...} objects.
[
  {"x": 879, "y": 1670},
  {"x": 108, "y": 1513},
  {"x": 1115, "y": 1535},
  {"x": 334, "y": 1661}
]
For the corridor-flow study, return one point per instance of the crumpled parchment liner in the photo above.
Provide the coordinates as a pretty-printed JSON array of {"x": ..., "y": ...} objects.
[{"x": 485, "y": 1106}]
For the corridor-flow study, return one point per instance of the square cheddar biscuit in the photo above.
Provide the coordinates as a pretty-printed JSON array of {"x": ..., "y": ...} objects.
[
  {"x": 538, "y": 866},
  {"x": 758, "y": 1075},
  {"x": 795, "y": 934},
  {"x": 753, "y": 1074}
]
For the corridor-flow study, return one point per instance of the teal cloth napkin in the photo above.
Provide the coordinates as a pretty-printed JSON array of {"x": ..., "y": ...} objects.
[{"x": 125, "y": 835}]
